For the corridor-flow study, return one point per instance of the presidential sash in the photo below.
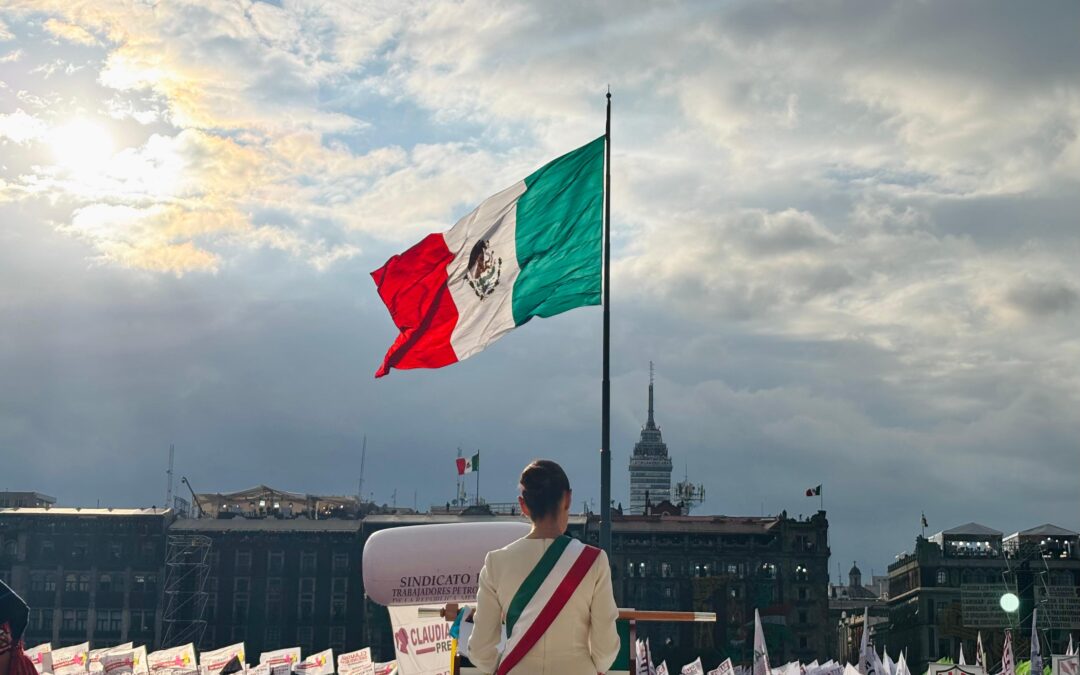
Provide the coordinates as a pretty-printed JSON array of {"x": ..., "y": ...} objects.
[{"x": 542, "y": 596}]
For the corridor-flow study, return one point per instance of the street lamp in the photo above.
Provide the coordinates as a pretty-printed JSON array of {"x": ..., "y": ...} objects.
[{"x": 1010, "y": 603}]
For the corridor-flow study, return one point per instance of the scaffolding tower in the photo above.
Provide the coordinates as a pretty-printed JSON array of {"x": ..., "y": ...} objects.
[{"x": 187, "y": 566}]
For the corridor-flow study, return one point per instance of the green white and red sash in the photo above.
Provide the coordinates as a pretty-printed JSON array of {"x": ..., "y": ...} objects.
[{"x": 542, "y": 596}]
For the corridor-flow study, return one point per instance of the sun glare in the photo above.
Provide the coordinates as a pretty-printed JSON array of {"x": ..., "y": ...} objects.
[{"x": 81, "y": 145}]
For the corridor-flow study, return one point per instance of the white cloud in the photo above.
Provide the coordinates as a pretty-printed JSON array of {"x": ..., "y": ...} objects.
[{"x": 21, "y": 127}]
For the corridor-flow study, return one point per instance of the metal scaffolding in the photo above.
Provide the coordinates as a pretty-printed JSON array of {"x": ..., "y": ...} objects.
[{"x": 187, "y": 566}]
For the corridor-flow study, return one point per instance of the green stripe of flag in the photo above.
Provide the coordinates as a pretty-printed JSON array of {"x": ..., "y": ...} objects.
[
  {"x": 559, "y": 230},
  {"x": 532, "y": 582}
]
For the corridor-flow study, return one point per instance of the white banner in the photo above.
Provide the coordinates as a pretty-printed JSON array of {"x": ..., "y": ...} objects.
[
  {"x": 71, "y": 660},
  {"x": 386, "y": 668},
  {"x": 41, "y": 655},
  {"x": 693, "y": 668},
  {"x": 1065, "y": 665},
  {"x": 356, "y": 663},
  {"x": 724, "y": 668},
  {"x": 281, "y": 657},
  {"x": 219, "y": 658},
  {"x": 261, "y": 669},
  {"x": 422, "y": 646},
  {"x": 177, "y": 658},
  {"x": 317, "y": 664},
  {"x": 118, "y": 662},
  {"x": 96, "y": 654},
  {"x": 662, "y": 668}
]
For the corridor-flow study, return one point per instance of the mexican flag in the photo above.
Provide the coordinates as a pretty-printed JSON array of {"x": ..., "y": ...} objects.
[
  {"x": 533, "y": 249},
  {"x": 469, "y": 465}
]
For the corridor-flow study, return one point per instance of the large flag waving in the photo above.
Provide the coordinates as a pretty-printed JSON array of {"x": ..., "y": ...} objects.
[{"x": 533, "y": 249}]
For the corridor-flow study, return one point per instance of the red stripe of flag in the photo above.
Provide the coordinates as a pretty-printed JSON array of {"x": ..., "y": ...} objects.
[
  {"x": 414, "y": 287},
  {"x": 551, "y": 610}
]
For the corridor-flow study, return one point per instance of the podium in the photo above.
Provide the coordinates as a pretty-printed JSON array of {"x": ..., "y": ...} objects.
[{"x": 630, "y": 615}]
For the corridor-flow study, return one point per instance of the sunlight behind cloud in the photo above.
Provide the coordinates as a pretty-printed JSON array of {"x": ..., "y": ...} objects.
[{"x": 81, "y": 146}]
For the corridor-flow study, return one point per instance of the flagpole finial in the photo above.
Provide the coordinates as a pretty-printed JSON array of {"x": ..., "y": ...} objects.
[{"x": 609, "y": 92}]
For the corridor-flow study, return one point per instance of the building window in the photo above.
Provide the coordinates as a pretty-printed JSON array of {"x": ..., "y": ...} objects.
[
  {"x": 37, "y": 581},
  {"x": 241, "y": 584},
  {"x": 305, "y": 635},
  {"x": 337, "y": 638},
  {"x": 801, "y": 573},
  {"x": 240, "y": 608},
  {"x": 307, "y": 562},
  {"x": 11, "y": 548},
  {"x": 145, "y": 583},
  {"x": 768, "y": 570},
  {"x": 665, "y": 570},
  {"x": 47, "y": 549},
  {"x": 273, "y": 637},
  {"x": 306, "y": 603},
  {"x": 78, "y": 551},
  {"x": 71, "y": 583},
  {"x": 84, "y": 583},
  {"x": 802, "y": 617},
  {"x": 338, "y": 589},
  {"x": 243, "y": 561},
  {"x": 802, "y": 593},
  {"x": 116, "y": 551},
  {"x": 142, "y": 621},
  {"x": 942, "y": 578},
  {"x": 108, "y": 621},
  {"x": 41, "y": 619},
  {"x": 104, "y": 583},
  {"x": 275, "y": 562},
  {"x": 804, "y": 643},
  {"x": 341, "y": 562},
  {"x": 67, "y": 622}
]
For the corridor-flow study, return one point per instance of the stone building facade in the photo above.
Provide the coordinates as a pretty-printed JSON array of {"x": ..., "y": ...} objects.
[{"x": 947, "y": 591}]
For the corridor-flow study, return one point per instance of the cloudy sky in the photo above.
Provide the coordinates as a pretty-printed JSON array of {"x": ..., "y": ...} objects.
[{"x": 845, "y": 232}]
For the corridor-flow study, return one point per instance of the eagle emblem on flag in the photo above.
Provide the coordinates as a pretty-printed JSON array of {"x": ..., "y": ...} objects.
[{"x": 482, "y": 273}]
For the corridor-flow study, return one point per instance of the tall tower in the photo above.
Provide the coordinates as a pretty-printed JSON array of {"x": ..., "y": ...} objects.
[{"x": 650, "y": 466}]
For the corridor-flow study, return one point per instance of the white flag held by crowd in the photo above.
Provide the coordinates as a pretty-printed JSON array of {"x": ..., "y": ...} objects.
[
  {"x": 261, "y": 669},
  {"x": 281, "y": 660},
  {"x": 317, "y": 664},
  {"x": 866, "y": 663},
  {"x": 1008, "y": 664},
  {"x": 641, "y": 658},
  {"x": 693, "y": 668},
  {"x": 662, "y": 668},
  {"x": 177, "y": 658},
  {"x": 356, "y": 663},
  {"x": 761, "y": 651},
  {"x": 980, "y": 653},
  {"x": 725, "y": 668},
  {"x": 71, "y": 660},
  {"x": 118, "y": 662},
  {"x": 1036, "y": 652},
  {"x": 41, "y": 655},
  {"x": 217, "y": 659},
  {"x": 96, "y": 654}
]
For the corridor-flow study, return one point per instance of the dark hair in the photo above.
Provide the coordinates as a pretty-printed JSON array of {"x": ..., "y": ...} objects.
[{"x": 543, "y": 484}]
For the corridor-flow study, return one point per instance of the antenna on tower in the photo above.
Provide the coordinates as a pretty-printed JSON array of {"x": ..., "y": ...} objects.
[
  {"x": 360, "y": 484},
  {"x": 169, "y": 474}
]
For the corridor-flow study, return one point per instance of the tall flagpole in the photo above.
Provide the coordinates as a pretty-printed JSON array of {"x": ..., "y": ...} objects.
[{"x": 605, "y": 386}]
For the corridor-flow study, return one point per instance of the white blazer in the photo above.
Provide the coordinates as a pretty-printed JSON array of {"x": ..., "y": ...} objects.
[{"x": 581, "y": 641}]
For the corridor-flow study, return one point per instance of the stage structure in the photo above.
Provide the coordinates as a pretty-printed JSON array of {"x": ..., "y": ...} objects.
[{"x": 187, "y": 566}]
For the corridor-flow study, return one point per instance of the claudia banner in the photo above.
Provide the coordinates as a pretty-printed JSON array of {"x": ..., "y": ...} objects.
[{"x": 422, "y": 645}]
